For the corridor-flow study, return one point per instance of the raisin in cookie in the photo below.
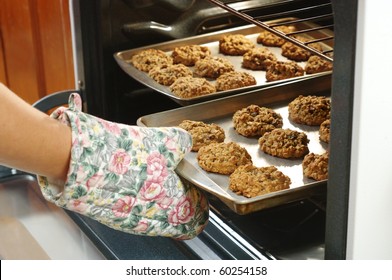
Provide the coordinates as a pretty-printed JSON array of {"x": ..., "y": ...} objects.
[
  {"x": 203, "y": 133},
  {"x": 324, "y": 131},
  {"x": 222, "y": 158},
  {"x": 296, "y": 53},
  {"x": 212, "y": 67},
  {"x": 255, "y": 120},
  {"x": 189, "y": 54},
  {"x": 316, "y": 64},
  {"x": 233, "y": 80},
  {"x": 284, "y": 143},
  {"x": 316, "y": 166},
  {"x": 309, "y": 110},
  {"x": 270, "y": 39},
  {"x": 250, "y": 181},
  {"x": 167, "y": 74},
  {"x": 258, "y": 59},
  {"x": 235, "y": 44},
  {"x": 187, "y": 87},
  {"x": 281, "y": 70},
  {"x": 147, "y": 59}
]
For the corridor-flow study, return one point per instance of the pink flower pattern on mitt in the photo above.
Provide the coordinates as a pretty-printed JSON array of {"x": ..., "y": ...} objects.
[{"x": 123, "y": 176}]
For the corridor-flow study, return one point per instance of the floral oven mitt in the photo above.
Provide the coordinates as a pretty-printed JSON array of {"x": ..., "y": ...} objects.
[{"x": 123, "y": 176}]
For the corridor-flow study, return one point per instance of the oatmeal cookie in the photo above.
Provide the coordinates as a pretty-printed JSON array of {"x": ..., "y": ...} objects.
[
  {"x": 284, "y": 143},
  {"x": 235, "y": 44},
  {"x": 316, "y": 64},
  {"x": 147, "y": 59},
  {"x": 309, "y": 110},
  {"x": 324, "y": 130},
  {"x": 222, "y": 158},
  {"x": 203, "y": 133},
  {"x": 281, "y": 70},
  {"x": 271, "y": 40},
  {"x": 187, "y": 87},
  {"x": 167, "y": 74},
  {"x": 296, "y": 53},
  {"x": 233, "y": 80},
  {"x": 255, "y": 120},
  {"x": 258, "y": 59},
  {"x": 212, "y": 67},
  {"x": 189, "y": 54},
  {"x": 316, "y": 166},
  {"x": 250, "y": 181}
]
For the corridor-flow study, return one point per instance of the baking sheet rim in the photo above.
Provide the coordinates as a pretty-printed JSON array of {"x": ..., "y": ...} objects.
[{"x": 143, "y": 77}]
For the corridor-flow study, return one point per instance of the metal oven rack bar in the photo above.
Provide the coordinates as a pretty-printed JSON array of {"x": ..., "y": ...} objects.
[{"x": 321, "y": 13}]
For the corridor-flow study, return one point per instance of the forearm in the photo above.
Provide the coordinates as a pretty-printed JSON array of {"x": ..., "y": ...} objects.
[{"x": 30, "y": 140}]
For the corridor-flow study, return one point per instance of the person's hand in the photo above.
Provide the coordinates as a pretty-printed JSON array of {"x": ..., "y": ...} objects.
[{"x": 123, "y": 176}]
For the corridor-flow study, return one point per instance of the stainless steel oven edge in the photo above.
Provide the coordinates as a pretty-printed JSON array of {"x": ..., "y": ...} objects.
[{"x": 219, "y": 241}]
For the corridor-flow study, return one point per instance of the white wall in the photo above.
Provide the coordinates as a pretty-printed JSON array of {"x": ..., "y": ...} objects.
[{"x": 370, "y": 204}]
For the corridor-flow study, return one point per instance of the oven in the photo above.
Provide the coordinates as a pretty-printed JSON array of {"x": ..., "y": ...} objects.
[{"x": 317, "y": 226}]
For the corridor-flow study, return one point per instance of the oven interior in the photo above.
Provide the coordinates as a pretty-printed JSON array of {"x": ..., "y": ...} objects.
[
  {"x": 125, "y": 24},
  {"x": 292, "y": 231}
]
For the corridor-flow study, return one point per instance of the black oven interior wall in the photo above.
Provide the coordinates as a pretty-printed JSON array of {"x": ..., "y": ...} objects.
[{"x": 104, "y": 27}]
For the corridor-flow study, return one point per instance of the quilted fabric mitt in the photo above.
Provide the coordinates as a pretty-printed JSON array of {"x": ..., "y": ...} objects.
[{"x": 123, "y": 176}]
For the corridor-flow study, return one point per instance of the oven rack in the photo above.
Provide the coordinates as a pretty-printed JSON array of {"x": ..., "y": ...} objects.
[{"x": 321, "y": 13}]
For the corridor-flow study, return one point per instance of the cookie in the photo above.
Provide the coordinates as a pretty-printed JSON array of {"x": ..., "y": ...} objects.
[
  {"x": 296, "y": 53},
  {"x": 258, "y": 59},
  {"x": 203, "y": 133},
  {"x": 316, "y": 64},
  {"x": 255, "y": 120},
  {"x": 212, "y": 67},
  {"x": 309, "y": 110},
  {"x": 284, "y": 143},
  {"x": 235, "y": 44},
  {"x": 223, "y": 158},
  {"x": 269, "y": 39},
  {"x": 250, "y": 181},
  {"x": 233, "y": 80},
  {"x": 281, "y": 70},
  {"x": 147, "y": 59},
  {"x": 316, "y": 166},
  {"x": 187, "y": 87},
  {"x": 324, "y": 131},
  {"x": 189, "y": 54},
  {"x": 167, "y": 74}
]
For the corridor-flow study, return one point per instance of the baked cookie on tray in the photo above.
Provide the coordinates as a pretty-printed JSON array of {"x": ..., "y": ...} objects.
[
  {"x": 309, "y": 110},
  {"x": 281, "y": 70},
  {"x": 258, "y": 59},
  {"x": 296, "y": 53},
  {"x": 316, "y": 64},
  {"x": 324, "y": 131},
  {"x": 167, "y": 74},
  {"x": 222, "y": 158},
  {"x": 235, "y": 44},
  {"x": 189, "y": 54},
  {"x": 233, "y": 80},
  {"x": 284, "y": 143},
  {"x": 203, "y": 133},
  {"x": 212, "y": 67},
  {"x": 315, "y": 166},
  {"x": 269, "y": 39},
  {"x": 188, "y": 87},
  {"x": 147, "y": 59},
  {"x": 250, "y": 181},
  {"x": 255, "y": 120}
]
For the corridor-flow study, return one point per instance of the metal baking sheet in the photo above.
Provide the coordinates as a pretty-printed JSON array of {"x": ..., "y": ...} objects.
[
  {"x": 212, "y": 42},
  {"x": 220, "y": 112}
]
